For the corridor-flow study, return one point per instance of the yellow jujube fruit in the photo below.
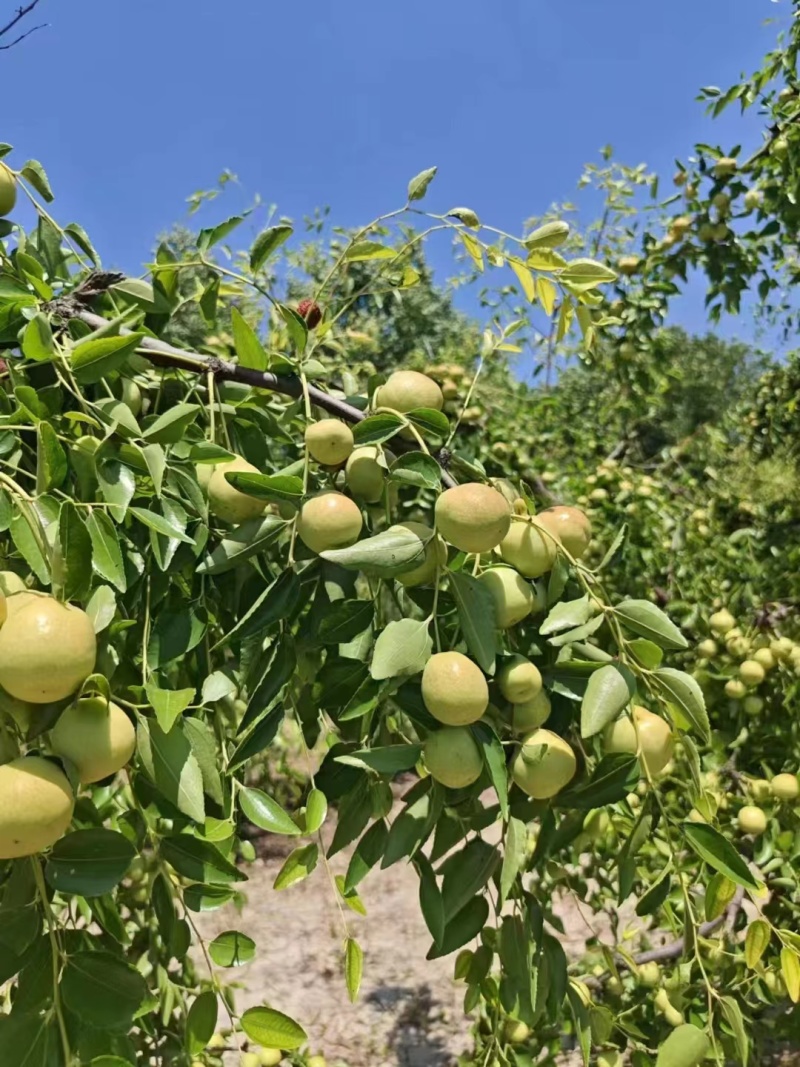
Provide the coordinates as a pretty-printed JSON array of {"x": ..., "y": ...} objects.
[
  {"x": 454, "y": 689},
  {"x": 452, "y": 757},
  {"x": 516, "y": 1032},
  {"x": 785, "y": 787},
  {"x": 46, "y": 648},
  {"x": 530, "y": 714},
  {"x": 529, "y": 547},
  {"x": 765, "y": 658},
  {"x": 329, "y": 441},
  {"x": 645, "y": 734},
  {"x": 707, "y": 649},
  {"x": 36, "y": 804},
  {"x": 227, "y": 503},
  {"x": 751, "y": 672},
  {"x": 734, "y": 688},
  {"x": 519, "y": 680},
  {"x": 329, "y": 520},
  {"x": 722, "y": 621},
  {"x": 473, "y": 517},
  {"x": 435, "y": 555},
  {"x": 364, "y": 476},
  {"x": 270, "y": 1057},
  {"x": 3, "y": 608},
  {"x": 8, "y": 190},
  {"x": 781, "y": 647},
  {"x": 513, "y": 597},
  {"x": 752, "y": 820},
  {"x": 753, "y": 705},
  {"x": 544, "y": 765},
  {"x": 408, "y": 389},
  {"x": 98, "y": 737}
]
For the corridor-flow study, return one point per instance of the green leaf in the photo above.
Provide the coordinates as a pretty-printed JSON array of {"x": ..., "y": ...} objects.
[
  {"x": 267, "y": 242},
  {"x": 494, "y": 759},
  {"x": 477, "y": 618},
  {"x": 102, "y": 607},
  {"x": 199, "y": 860},
  {"x": 276, "y": 603},
  {"x": 209, "y": 237},
  {"x": 117, "y": 484},
  {"x": 587, "y": 274},
  {"x": 316, "y": 811},
  {"x": 89, "y": 862},
  {"x": 204, "y": 745},
  {"x": 465, "y": 215},
  {"x": 418, "y": 186},
  {"x": 160, "y": 524},
  {"x": 174, "y": 634},
  {"x": 392, "y": 552},
  {"x": 249, "y": 350},
  {"x": 418, "y": 469},
  {"x": 232, "y": 949},
  {"x": 343, "y": 620},
  {"x": 649, "y": 621},
  {"x": 102, "y": 990},
  {"x": 168, "y": 704},
  {"x": 368, "y": 852},
  {"x": 720, "y": 891},
  {"x": 376, "y": 429},
  {"x": 790, "y": 972},
  {"x": 387, "y": 759},
  {"x": 403, "y": 647},
  {"x": 243, "y": 543},
  {"x": 106, "y": 551},
  {"x": 686, "y": 1046},
  {"x": 34, "y": 173},
  {"x": 466, "y": 874},
  {"x": 273, "y": 1029},
  {"x": 172, "y": 767},
  {"x": 733, "y": 1016},
  {"x": 92, "y": 360},
  {"x": 656, "y": 894},
  {"x": 353, "y": 968},
  {"x": 613, "y": 778},
  {"x": 51, "y": 460},
  {"x": 37, "y": 340},
  {"x": 467, "y": 924},
  {"x": 169, "y": 428},
  {"x": 685, "y": 693},
  {"x": 719, "y": 853},
  {"x": 280, "y": 669},
  {"x": 515, "y": 851},
  {"x": 296, "y": 327},
  {"x": 430, "y": 898},
  {"x": 262, "y": 811},
  {"x": 277, "y": 488},
  {"x": 298, "y": 866},
  {"x": 81, "y": 239},
  {"x": 648, "y": 653},
  {"x": 201, "y": 1022},
  {"x": 566, "y": 614},
  {"x": 25, "y": 541},
  {"x": 364, "y": 250},
  {"x": 756, "y": 941},
  {"x": 607, "y": 692},
  {"x": 72, "y": 558},
  {"x": 549, "y": 235},
  {"x": 430, "y": 421}
]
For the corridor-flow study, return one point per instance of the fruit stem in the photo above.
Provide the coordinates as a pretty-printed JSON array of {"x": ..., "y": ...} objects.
[{"x": 55, "y": 950}]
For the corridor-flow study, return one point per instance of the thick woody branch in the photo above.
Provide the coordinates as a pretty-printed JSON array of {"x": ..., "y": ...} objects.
[{"x": 164, "y": 355}]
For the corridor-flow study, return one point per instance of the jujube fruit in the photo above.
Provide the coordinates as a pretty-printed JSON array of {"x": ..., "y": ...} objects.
[
  {"x": 435, "y": 555},
  {"x": 454, "y": 689},
  {"x": 473, "y": 517},
  {"x": 406, "y": 390},
  {"x": 544, "y": 765},
  {"x": 310, "y": 311},
  {"x": 765, "y": 658},
  {"x": 96, "y": 735},
  {"x": 530, "y": 714},
  {"x": 8, "y": 190},
  {"x": 47, "y": 649},
  {"x": 364, "y": 476},
  {"x": 722, "y": 621},
  {"x": 645, "y": 734},
  {"x": 572, "y": 528},
  {"x": 512, "y": 595},
  {"x": 707, "y": 649},
  {"x": 270, "y": 1057},
  {"x": 752, "y": 820},
  {"x": 452, "y": 757},
  {"x": 329, "y": 441},
  {"x": 529, "y": 547},
  {"x": 785, "y": 787},
  {"x": 735, "y": 688},
  {"x": 36, "y": 805},
  {"x": 519, "y": 680},
  {"x": 329, "y": 520},
  {"x": 751, "y": 672},
  {"x": 227, "y": 503},
  {"x": 628, "y": 265}
]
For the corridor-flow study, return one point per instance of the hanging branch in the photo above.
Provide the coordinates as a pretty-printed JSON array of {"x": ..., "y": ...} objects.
[{"x": 20, "y": 14}]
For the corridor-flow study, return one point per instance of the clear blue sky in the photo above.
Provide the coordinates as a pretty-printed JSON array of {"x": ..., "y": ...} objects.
[{"x": 131, "y": 106}]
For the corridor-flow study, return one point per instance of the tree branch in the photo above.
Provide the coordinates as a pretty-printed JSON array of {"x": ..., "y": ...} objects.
[
  {"x": 164, "y": 355},
  {"x": 21, "y": 13}
]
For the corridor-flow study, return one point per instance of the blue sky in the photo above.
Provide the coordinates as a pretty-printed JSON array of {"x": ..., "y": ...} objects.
[{"x": 133, "y": 106}]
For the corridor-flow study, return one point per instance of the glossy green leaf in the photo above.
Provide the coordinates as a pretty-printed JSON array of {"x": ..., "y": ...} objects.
[
  {"x": 298, "y": 866},
  {"x": 199, "y": 860},
  {"x": 353, "y": 968},
  {"x": 232, "y": 949},
  {"x": 94, "y": 359},
  {"x": 89, "y": 862},
  {"x": 648, "y": 621},
  {"x": 102, "y": 990},
  {"x": 684, "y": 692},
  {"x": 607, "y": 692},
  {"x": 266, "y": 813},
  {"x": 477, "y": 618},
  {"x": 268, "y": 242},
  {"x": 719, "y": 853},
  {"x": 686, "y": 1046},
  {"x": 272, "y": 1029},
  {"x": 201, "y": 1022},
  {"x": 172, "y": 767},
  {"x": 418, "y": 186},
  {"x": 403, "y": 647}
]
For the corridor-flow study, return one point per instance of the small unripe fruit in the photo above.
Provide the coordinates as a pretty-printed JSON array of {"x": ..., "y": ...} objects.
[
  {"x": 753, "y": 705},
  {"x": 598, "y": 495},
  {"x": 752, "y": 820},
  {"x": 473, "y": 517},
  {"x": 735, "y": 689},
  {"x": 570, "y": 526},
  {"x": 531, "y": 714},
  {"x": 751, "y": 672},
  {"x": 737, "y": 646},
  {"x": 679, "y": 178},
  {"x": 96, "y": 735},
  {"x": 681, "y": 225},
  {"x": 759, "y": 789},
  {"x": 516, "y": 1032},
  {"x": 8, "y": 190},
  {"x": 610, "y": 1059},
  {"x": 781, "y": 647},
  {"x": 707, "y": 649},
  {"x": 724, "y": 166},
  {"x": 544, "y": 765},
  {"x": 47, "y": 649},
  {"x": 452, "y": 757},
  {"x": 227, "y": 503},
  {"x": 780, "y": 148},
  {"x": 529, "y": 547},
  {"x": 217, "y": 1041},
  {"x": 310, "y": 311},
  {"x": 364, "y": 476},
  {"x": 435, "y": 555},
  {"x": 36, "y": 805},
  {"x": 454, "y": 689},
  {"x": 628, "y": 265},
  {"x": 765, "y": 658},
  {"x": 722, "y": 621},
  {"x": 329, "y": 520},
  {"x": 329, "y": 441},
  {"x": 519, "y": 680},
  {"x": 722, "y": 202},
  {"x": 270, "y": 1057},
  {"x": 512, "y": 595},
  {"x": 649, "y": 974},
  {"x": 646, "y": 734},
  {"x": 752, "y": 199},
  {"x": 317, "y": 1060},
  {"x": 249, "y": 1059},
  {"x": 408, "y": 389},
  {"x": 785, "y": 787}
]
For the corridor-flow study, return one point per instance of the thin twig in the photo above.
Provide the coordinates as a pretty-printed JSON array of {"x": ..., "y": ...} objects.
[{"x": 21, "y": 13}]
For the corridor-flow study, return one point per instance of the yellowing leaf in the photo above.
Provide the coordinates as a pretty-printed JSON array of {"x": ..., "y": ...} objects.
[
  {"x": 525, "y": 279},
  {"x": 756, "y": 941},
  {"x": 790, "y": 969},
  {"x": 474, "y": 249},
  {"x": 547, "y": 293}
]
